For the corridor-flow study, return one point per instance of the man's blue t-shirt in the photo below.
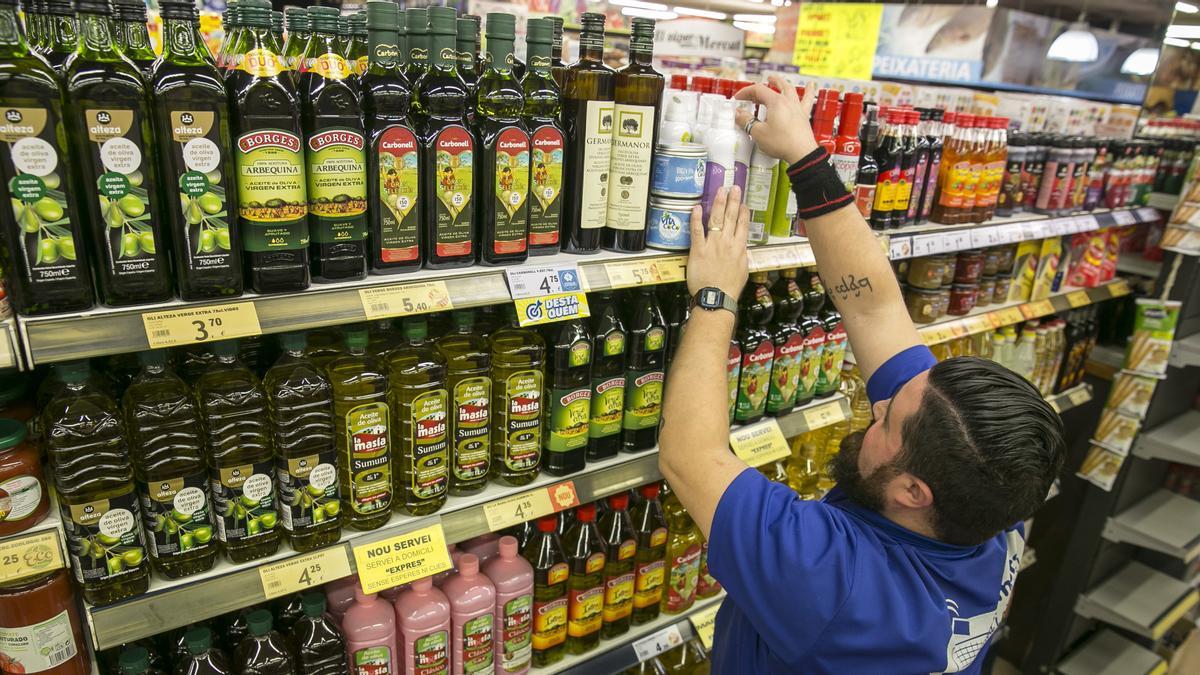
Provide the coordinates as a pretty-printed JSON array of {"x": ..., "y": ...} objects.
[{"x": 832, "y": 587}]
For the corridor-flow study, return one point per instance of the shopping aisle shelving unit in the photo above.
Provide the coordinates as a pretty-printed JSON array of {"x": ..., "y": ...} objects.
[
  {"x": 1107, "y": 653},
  {"x": 1139, "y": 599},
  {"x": 1165, "y": 521}
]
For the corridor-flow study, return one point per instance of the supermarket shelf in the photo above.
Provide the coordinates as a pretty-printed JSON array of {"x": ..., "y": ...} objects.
[
  {"x": 172, "y": 603},
  {"x": 1132, "y": 263},
  {"x": 1071, "y": 398},
  {"x": 1165, "y": 521},
  {"x": 1162, "y": 201},
  {"x": 1105, "y": 361},
  {"x": 1138, "y": 599},
  {"x": 1185, "y": 352},
  {"x": 42, "y": 548},
  {"x": 1176, "y": 441},
  {"x": 1107, "y": 653},
  {"x": 10, "y": 350}
]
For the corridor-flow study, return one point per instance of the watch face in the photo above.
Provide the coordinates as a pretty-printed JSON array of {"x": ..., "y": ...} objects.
[{"x": 710, "y": 297}]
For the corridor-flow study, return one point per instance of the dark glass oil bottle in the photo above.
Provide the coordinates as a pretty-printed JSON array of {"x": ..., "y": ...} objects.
[
  {"x": 192, "y": 112},
  {"x": 417, "y": 378},
  {"x": 316, "y": 641},
  {"x": 637, "y": 93},
  {"x": 675, "y": 301},
  {"x": 650, "y": 530},
  {"x": 362, "y": 428},
  {"x": 269, "y": 151},
  {"x": 356, "y": 48},
  {"x": 449, "y": 175},
  {"x": 469, "y": 383},
  {"x": 135, "y": 36},
  {"x": 616, "y": 528},
  {"x": 62, "y": 33},
  {"x": 335, "y": 156},
  {"x": 394, "y": 156},
  {"x": 755, "y": 310},
  {"x": 646, "y": 347},
  {"x": 518, "y": 362},
  {"x": 468, "y": 34},
  {"x": 568, "y": 396},
  {"x": 608, "y": 376},
  {"x": 789, "y": 344},
  {"x": 586, "y": 557},
  {"x": 263, "y": 651},
  {"x": 556, "y": 49},
  {"x": 416, "y": 25},
  {"x": 545, "y": 553},
  {"x": 298, "y": 32},
  {"x": 543, "y": 106},
  {"x": 109, "y": 109},
  {"x": 829, "y": 379},
  {"x": 814, "y": 336},
  {"x": 502, "y": 214},
  {"x": 42, "y": 251},
  {"x": 587, "y": 92}
]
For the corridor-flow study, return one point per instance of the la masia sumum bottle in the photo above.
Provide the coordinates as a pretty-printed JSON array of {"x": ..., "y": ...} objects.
[
  {"x": 362, "y": 429},
  {"x": 468, "y": 381},
  {"x": 417, "y": 375}
]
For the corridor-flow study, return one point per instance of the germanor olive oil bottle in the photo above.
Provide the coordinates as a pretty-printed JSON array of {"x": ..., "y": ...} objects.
[
  {"x": 469, "y": 383},
  {"x": 417, "y": 379},
  {"x": 543, "y": 105},
  {"x": 587, "y": 92},
  {"x": 518, "y": 360},
  {"x": 362, "y": 422}
]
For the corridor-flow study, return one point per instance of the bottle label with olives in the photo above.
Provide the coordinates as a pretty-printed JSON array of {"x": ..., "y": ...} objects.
[
  {"x": 244, "y": 501},
  {"x": 177, "y": 515},
  {"x": 472, "y": 415},
  {"x": 370, "y": 464},
  {"x": 337, "y": 186},
  {"x": 372, "y": 661},
  {"x": 119, "y": 170},
  {"x": 272, "y": 201},
  {"x": 785, "y": 373},
  {"x": 453, "y": 210},
  {"x": 399, "y": 183},
  {"x": 810, "y": 363},
  {"x": 567, "y": 416},
  {"x": 431, "y": 654},
  {"x": 512, "y": 191},
  {"x": 308, "y": 490},
  {"x": 197, "y": 165},
  {"x": 478, "y": 648},
  {"x": 754, "y": 380},
  {"x": 648, "y": 583},
  {"x": 596, "y": 145},
  {"x": 632, "y": 151},
  {"x": 34, "y": 173},
  {"x": 523, "y": 420},
  {"x": 104, "y": 537},
  {"x": 516, "y": 633},
  {"x": 546, "y": 168},
  {"x": 429, "y": 473},
  {"x": 608, "y": 406},
  {"x": 832, "y": 356},
  {"x": 706, "y": 584},
  {"x": 643, "y": 399}
]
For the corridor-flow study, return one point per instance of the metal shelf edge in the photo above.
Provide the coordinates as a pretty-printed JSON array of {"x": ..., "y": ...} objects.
[{"x": 1107, "y": 653}]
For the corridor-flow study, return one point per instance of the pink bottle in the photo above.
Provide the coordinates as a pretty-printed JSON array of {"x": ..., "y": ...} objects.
[
  {"x": 423, "y": 613},
  {"x": 339, "y": 595},
  {"x": 370, "y": 630},
  {"x": 513, "y": 577},
  {"x": 472, "y": 617},
  {"x": 390, "y": 594},
  {"x": 485, "y": 547}
]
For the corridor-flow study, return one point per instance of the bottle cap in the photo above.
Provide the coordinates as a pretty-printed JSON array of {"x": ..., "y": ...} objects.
[
  {"x": 259, "y": 622},
  {"x": 442, "y": 21},
  {"x": 501, "y": 26},
  {"x": 382, "y": 15},
  {"x": 358, "y": 23},
  {"x": 277, "y": 21},
  {"x": 592, "y": 22},
  {"x": 416, "y": 20},
  {"x": 619, "y": 501},
  {"x": 313, "y": 603},
  {"x": 169, "y": 9},
  {"x": 585, "y": 513},
  {"x": 323, "y": 19},
  {"x": 540, "y": 31},
  {"x": 225, "y": 348},
  {"x": 74, "y": 372},
  {"x": 134, "y": 660},
  {"x": 291, "y": 342},
  {"x": 296, "y": 18},
  {"x": 950, "y": 117},
  {"x": 464, "y": 319},
  {"x": 702, "y": 83},
  {"x": 466, "y": 30},
  {"x": 468, "y": 564},
  {"x": 679, "y": 81},
  {"x": 642, "y": 29},
  {"x": 547, "y": 523},
  {"x": 508, "y": 547},
  {"x": 415, "y": 329},
  {"x": 650, "y": 490},
  {"x": 152, "y": 357},
  {"x": 198, "y": 640},
  {"x": 343, "y": 26},
  {"x": 355, "y": 337},
  {"x": 852, "y": 107}
]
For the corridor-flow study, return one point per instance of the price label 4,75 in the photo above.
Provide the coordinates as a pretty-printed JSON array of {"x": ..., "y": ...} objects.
[
  {"x": 304, "y": 572},
  {"x": 174, "y": 328}
]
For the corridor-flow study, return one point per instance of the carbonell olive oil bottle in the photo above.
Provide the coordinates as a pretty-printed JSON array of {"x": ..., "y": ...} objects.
[
  {"x": 108, "y": 105},
  {"x": 682, "y": 574},
  {"x": 241, "y": 463},
  {"x": 42, "y": 246},
  {"x": 417, "y": 379},
  {"x": 335, "y": 153},
  {"x": 192, "y": 112},
  {"x": 543, "y": 105},
  {"x": 518, "y": 360},
  {"x": 362, "y": 423},
  {"x": 272, "y": 198},
  {"x": 416, "y": 24},
  {"x": 469, "y": 383},
  {"x": 568, "y": 398},
  {"x": 587, "y": 91}
]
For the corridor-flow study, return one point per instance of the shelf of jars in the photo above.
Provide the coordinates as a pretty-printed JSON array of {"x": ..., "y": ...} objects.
[{"x": 227, "y": 586}]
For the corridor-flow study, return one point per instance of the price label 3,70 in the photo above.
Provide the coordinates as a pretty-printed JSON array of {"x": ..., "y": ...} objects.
[{"x": 193, "y": 325}]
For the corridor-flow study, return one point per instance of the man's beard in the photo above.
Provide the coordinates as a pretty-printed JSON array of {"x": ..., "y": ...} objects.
[{"x": 866, "y": 491}]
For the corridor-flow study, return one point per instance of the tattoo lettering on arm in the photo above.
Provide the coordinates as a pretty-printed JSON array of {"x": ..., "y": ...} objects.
[{"x": 850, "y": 284}]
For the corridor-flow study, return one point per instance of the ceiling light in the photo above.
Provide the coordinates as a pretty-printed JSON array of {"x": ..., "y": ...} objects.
[
  {"x": 1180, "y": 31},
  {"x": 1195, "y": 45},
  {"x": 649, "y": 13},
  {"x": 1142, "y": 61},
  {"x": 992, "y": 3},
  {"x": 755, "y": 18},
  {"x": 638, "y": 3},
  {"x": 777, "y": 3},
  {"x": 755, "y": 27},
  {"x": 688, "y": 11},
  {"x": 1175, "y": 42},
  {"x": 1186, "y": 8},
  {"x": 1076, "y": 45}
]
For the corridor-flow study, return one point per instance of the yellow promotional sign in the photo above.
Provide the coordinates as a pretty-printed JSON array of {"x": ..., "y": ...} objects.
[
  {"x": 837, "y": 40},
  {"x": 402, "y": 559},
  {"x": 551, "y": 308},
  {"x": 759, "y": 443}
]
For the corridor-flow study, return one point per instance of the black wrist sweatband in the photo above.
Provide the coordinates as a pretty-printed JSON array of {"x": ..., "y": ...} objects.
[{"x": 817, "y": 186}]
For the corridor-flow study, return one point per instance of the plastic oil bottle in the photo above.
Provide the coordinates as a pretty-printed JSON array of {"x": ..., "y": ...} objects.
[
  {"x": 585, "y": 586},
  {"x": 234, "y": 410},
  {"x": 316, "y": 641},
  {"x": 544, "y": 551},
  {"x": 608, "y": 377},
  {"x": 263, "y": 651},
  {"x": 85, "y": 441},
  {"x": 616, "y": 528},
  {"x": 362, "y": 423},
  {"x": 468, "y": 362},
  {"x": 650, "y": 531},
  {"x": 682, "y": 572},
  {"x": 755, "y": 309},
  {"x": 301, "y": 405},
  {"x": 202, "y": 657},
  {"x": 568, "y": 396},
  {"x": 646, "y": 349},
  {"x": 518, "y": 359},
  {"x": 169, "y": 468},
  {"x": 417, "y": 375}
]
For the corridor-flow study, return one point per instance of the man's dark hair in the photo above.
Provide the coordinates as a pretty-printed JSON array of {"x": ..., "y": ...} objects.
[{"x": 987, "y": 444}]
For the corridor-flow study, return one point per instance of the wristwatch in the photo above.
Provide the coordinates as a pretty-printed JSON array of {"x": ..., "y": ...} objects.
[{"x": 712, "y": 299}]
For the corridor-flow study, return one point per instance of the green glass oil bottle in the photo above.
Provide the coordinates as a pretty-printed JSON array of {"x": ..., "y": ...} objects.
[
  {"x": 608, "y": 376},
  {"x": 34, "y": 29},
  {"x": 585, "y": 586},
  {"x": 587, "y": 93},
  {"x": 394, "y": 157},
  {"x": 416, "y": 23},
  {"x": 468, "y": 33},
  {"x": 356, "y": 49},
  {"x": 135, "y": 44},
  {"x": 755, "y": 310},
  {"x": 469, "y": 383},
  {"x": 616, "y": 528},
  {"x": 41, "y": 249},
  {"x": 295, "y": 19},
  {"x": 192, "y": 115},
  {"x": 109, "y": 109},
  {"x": 362, "y": 423},
  {"x": 269, "y": 152},
  {"x": 449, "y": 174},
  {"x": 556, "y": 49},
  {"x": 86, "y": 444},
  {"x": 650, "y": 530},
  {"x": 165, "y": 435},
  {"x": 789, "y": 344},
  {"x": 343, "y": 35},
  {"x": 568, "y": 397},
  {"x": 646, "y": 347},
  {"x": 518, "y": 361},
  {"x": 62, "y": 33},
  {"x": 231, "y": 24},
  {"x": 545, "y": 554},
  {"x": 277, "y": 27},
  {"x": 306, "y": 474},
  {"x": 241, "y": 462},
  {"x": 543, "y": 105},
  {"x": 417, "y": 383}
]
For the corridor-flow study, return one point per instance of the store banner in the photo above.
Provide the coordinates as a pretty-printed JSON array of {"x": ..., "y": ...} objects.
[
  {"x": 943, "y": 43},
  {"x": 837, "y": 40},
  {"x": 698, "y": 37}
]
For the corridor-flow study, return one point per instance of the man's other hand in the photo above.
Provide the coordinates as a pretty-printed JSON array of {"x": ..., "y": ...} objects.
[
  {"x": 786, "y": 133},
  {"x": 718, "y": 257}
]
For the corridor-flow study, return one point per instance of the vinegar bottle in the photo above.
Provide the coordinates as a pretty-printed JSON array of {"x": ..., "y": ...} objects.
[
  {"x": 545, "y": 554},
  {"x": 921, "y": 154},
  {"x": 585, "y": 595},
  {"x": 887, "y": 156},
  {"x": 908, "y": 167},
  {"x": 935, "y": 135}
]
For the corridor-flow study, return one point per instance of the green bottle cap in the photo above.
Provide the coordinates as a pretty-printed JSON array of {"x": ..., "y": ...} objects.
[
  {"x": 259, "y": 622},
  {"x": 540, "y": 31},
  {"x": 169, "y": 9},
  {"x": 254, "y": 13},
  {"x": 323, "y": 20},
  {"x": 11, "y": 432},
  {"x": 642, "y": 29},
  {"x": 12, "y": 387},
  {"x": 74, "y": 372},
  {"x": 464, "y": 319},
  {"x": 442, "y": 21},
  {"x": 313, "y": 603},
  {"x": 592, "y": 22},
  {"x": 467, "y": 30},
  {"x": 416, "y": 329},
  {"x": 198, "y": 640},
  {"x": 277, "y": 22},
  {"x": 343, "y": 26},
  {"x": 416, "y": 20},
  {"x": 501, "y": 26},
  {"x": 358, "y": 23},
  {"x": 356, "y": 337},
  {"x": 134, "y": 660},
  {"x": 296, "y": 19},
  {"x": 153, "y": 357},
  {"x": 225, "y": 348},
  {"x": 293, "y": 342},
  {"x": 382, "y": 15}
]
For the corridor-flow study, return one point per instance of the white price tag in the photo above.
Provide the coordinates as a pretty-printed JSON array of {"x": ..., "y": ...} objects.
[
  {"x": 960, "y": 241},
  {"x": 529, "y": 282},
  {"x": 900, "y": 247},
  {"x": 1148, "y": 214},
  {"x": 982, "y": 237},
  {"x": 656, "y": 643},
  {"x": 1035, "y": 230},
  {"x": 926, "y": 244},
  {"x": 1124, "y": 217},
  {"x": 1087, "y": 223},
  {"x": 1012, "y": 233}
]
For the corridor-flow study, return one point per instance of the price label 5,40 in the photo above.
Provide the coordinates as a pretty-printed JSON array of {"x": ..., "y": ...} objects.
[
  {"x": 384, "y": 302},
  {"x": 193, "y": 325},
  {"x": 304, "y": 572}
]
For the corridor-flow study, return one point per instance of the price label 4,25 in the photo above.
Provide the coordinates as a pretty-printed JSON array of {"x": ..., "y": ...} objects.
[
  {"x": 304, "y": 572},
  {"x": 174, "y": 328}
]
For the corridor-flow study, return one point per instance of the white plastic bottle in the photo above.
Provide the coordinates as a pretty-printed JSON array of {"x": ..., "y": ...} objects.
[
  {"x": 676, "y": 128},
  {"x": 705, "y": 111},
  {"x": 1025, "y": 354},
  {"x": 760, "y": 190},
  {"x": 724, "y": 168}
]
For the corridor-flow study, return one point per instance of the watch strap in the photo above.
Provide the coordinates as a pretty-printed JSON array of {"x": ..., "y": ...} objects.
[{"x": 727, "y": 302}]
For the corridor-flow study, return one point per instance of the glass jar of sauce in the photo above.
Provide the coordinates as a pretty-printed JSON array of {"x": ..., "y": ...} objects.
[
  {"x": 40, "y": 619},
  {"x": 1003, "y": 282},
  {"x": 987, "y": 289},
  {"x": 926, "y": 273},
  {"x": 962, "y": 299},
  {"x": 922, "y": 305},
  {"x": 968, "y": 267},
  {"x": 23, "y": 497}
]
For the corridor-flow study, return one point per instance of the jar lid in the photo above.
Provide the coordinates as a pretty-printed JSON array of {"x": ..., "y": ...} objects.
[
  {"x": 12, "y": 432},
  {"x": 672, "y": 203},
  {"x": 684, "y": 149}
]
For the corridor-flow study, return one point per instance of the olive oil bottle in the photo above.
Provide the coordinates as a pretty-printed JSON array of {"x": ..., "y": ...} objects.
[
  {"x": 192, "y": 112},
  {"x": 335, "y": 156},
  {"x": 417, "y": 379},
  {"x": 468, "y": 33},
  {"x": 620, "y": 540},
  {"x": 299, "y": 29},
  {"x": 231, "y": 23},
  {"x": 362, "y": 424},
  {"x": 45, "y": 266},
  {"x": 277, "y": 27},
  {"x": 394, "y": 158},
  {"x": 469, "y": 383},
  {"x": 557, "y": 67},
  {"x": 169, "y": 469},
  {"x": 585, "y": 585},
  {"x": 646, "y": 349},
  {"x": 108, "y": 106},
  {"x": 568, "y": 398},
  {"x": 448, "y": 171},
  {"x": 588, "y": 109},
  {"x": 755, "y": 310},
  {"x": 829, "y": 379},
  {"x": 62, "y": 33},
  {"x": 86, "y": 444},
  {"x": 650, "y": 531},
  {"x": 134, "y": 38},
  {"x": 272, "y": 200},
  {"x": 306, "y": 474},
  {"x": 416, "y": 28},
  {"x": 637, "y": 92},
  {"x": 356, "y": 49},
  {"x": 502, "y": 216},
  {"x": 608, "y": 376},
  {"x": 788, "y": 338},
  {"x": 543, "y": 105},
  {"x": 518, "y": 356},
  {"x": 545, "y": 553},
  {"x": 682, "y": 573},
  {"x": 241, "y": 463}
]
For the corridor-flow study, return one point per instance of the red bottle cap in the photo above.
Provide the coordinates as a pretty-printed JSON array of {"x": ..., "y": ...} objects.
[
  {"x": 914, "y": 116},
  {"x": 585, "y": 513},
  {"x": 741, "y": 84},
  {"x": 547, "y": 523},
  {"x": 679, "y": 81},
  {"x": 966, "y": 121},
  {"x": 999, "y": 122},
  {"x": 702, "y": 84},
  {"x": 650, "y": 491},
  {"x": 725, "y": 87},
  {"x": 619, "y": 501},
  {"x": 949, "y": 117}
]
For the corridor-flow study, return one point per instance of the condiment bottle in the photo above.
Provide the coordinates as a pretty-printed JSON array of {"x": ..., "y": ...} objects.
[
  {"x": 934, "y": 134},
  {"x": 512, "y": 576},
  {"x": 921, "y": 152},
  {"x": 585, "y": 596},
  {"x": 472, "y": 617},
  {"x": 369, "y": 627},
  {"x": 616, "y": 529},
  {"x": 545, "y": 554},
  {"x": 887, "y": 156},
  {"x": 39, "y": 616},
  {"x": 847, "y": 147},
  {"x": 423, "y": 619}
]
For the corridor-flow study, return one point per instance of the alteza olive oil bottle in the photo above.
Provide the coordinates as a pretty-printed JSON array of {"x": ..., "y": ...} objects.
[
  {"x": 518, "y": 371},
  {"x": 134, "y": 38},
  {"x": 109, "y": 108},
  {"x": 469, "y": 383},
  {"x": 502, "y": 214},
  {"x": 194, "y": 138},
  {"x": 587, "y": 93},
  {"x": 42, "y": 251},
  {"x": 62, "y": 33},
  {"x": 362, "y": 424},
  {"x": 269, "y": 152},
  {"x": 543, "y": 105},
  {"x": 417, "y": 383}
]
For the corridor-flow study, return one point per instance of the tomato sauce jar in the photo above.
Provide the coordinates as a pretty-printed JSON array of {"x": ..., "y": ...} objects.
[
  {"x": 40, "y": 631},
  {"x": 23, "y": 497}
]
